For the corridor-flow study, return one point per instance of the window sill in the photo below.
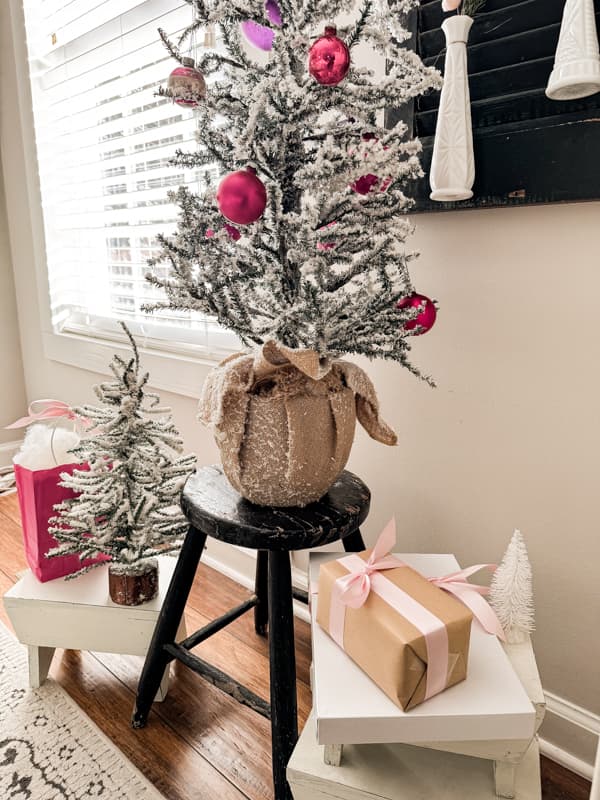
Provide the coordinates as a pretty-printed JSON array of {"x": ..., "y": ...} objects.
[{"x": 174, "y": 368}]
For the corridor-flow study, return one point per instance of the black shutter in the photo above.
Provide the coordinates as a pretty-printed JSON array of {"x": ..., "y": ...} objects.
[{"x": 528, "y": 149}]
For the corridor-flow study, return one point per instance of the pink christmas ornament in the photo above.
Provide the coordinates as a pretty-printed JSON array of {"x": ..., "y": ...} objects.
[
  {"x": 329, "y": 58},
  {"x": 242, "y": 197},
  {"x": 365, "y": 183},
  {"x": 186, "y": 84},
  {"x": 233, "y": 232},
  {"x": 450, "y": 5},
  {"x": 262, "y": 36},
  {"x": 327, "y": 245},
  {"x": 425, "y": 320}
]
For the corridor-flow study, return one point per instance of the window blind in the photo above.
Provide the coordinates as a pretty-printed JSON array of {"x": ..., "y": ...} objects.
[{"x": 104, "y": 141}]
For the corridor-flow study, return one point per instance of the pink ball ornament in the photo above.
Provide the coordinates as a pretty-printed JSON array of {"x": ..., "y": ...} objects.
[
  {"x": 366, "y": 183},
  {"x": 242, "y": 197},
  {"x": 329, "y": 58},
  {"x": 233, "y": 233},
  {"x": 262, "y": 36},
  {"x": 425, "y": 320},
  {"x": 186, "y": 84},
  {"x": 327, "y": 245}
]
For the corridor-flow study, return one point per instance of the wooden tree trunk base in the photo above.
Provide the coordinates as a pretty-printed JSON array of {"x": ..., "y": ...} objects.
[{"x": 133, "y": 590}]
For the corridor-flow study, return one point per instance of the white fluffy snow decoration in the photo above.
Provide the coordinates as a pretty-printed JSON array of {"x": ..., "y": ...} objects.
[
  {"x": 511, "y": 592},
  {"x": 46, "y": 446}
]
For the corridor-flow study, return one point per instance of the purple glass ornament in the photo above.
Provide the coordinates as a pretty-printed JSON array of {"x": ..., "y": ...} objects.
[
  {"x": 273, "y": 13},
  {"x": 262, "y": 36}
]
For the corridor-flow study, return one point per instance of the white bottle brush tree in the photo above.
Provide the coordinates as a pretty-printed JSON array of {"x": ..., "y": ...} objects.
[
  {"x": 511, "y": 592},
  {"x": 127, "y": 502},
  {"x": 324, "y": 267}
]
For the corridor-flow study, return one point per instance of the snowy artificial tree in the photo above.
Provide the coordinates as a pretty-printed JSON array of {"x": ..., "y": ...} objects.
[
  {"x": 511, "y": 592},
  {"x": 301, "y": 246},
  {"x": 127, "y": 500}
]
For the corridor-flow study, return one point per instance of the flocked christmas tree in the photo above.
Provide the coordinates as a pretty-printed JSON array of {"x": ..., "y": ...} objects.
[
  {"x": 127, "y": 502},
  {"x": 324, "y": 265},
  {"x": 511, "y": 591}
]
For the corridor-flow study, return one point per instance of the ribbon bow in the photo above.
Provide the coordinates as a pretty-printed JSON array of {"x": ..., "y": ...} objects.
[
  {"x": 356, "y": 586},
  {"x": 47, "y": 409},
  {"x": 471, "y": 595}
]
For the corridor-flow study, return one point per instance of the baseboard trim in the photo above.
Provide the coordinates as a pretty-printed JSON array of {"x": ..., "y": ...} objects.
[
  {"x": 7, "y": 452},
  {"x": 566, "y": 759},
  {"x": 240, "y": 566},
  {"x": 573, "y": 713}
]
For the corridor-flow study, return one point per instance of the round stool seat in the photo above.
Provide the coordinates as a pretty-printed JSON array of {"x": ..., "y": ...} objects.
[{"x": 214, "y": 507}]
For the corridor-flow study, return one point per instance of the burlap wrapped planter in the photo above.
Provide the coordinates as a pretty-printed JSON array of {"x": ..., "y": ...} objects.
[{"x": 284, "y": 421}]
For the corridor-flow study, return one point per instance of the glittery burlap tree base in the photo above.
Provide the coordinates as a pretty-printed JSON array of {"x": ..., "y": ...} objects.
[
  {"x": 284, "y": 421},
  {"x": 133, "y": 585}
]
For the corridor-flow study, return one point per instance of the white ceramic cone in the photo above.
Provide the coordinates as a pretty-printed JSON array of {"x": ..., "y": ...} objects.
[
  {"x": 576, "y": 70},
  {"x": 452, "y": 165}
]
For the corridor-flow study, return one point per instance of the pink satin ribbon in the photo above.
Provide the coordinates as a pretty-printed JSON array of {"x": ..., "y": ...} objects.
[
  {"x": 364, "y": 577},
  {"x": 48, "y": 409},
  {"x": 471, "y": 595}
]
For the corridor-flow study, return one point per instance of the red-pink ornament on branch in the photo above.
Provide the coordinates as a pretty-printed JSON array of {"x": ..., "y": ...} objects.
[
  {"x": 233, "y": 232},
  {"x": 186, "y": 84},
  {"x": 327, "y": 245},
  {"x": 425, "y": 320},
  {"x": 329, "y": 58},
  {"x": 242, "y": 197},
  {"x": 365, "y": 183},
  {"x": 262, "y": 36}
]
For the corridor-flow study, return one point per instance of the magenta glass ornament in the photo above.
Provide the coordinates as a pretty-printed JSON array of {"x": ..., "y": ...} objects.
[
  {"x": 327, "y": 245},
  {"x": 242, "y": 197},
  {"x": 365, "y": 183},
  {"x": 329, "y": 58},
  {"x": 233, "y": 232},
  {"x": 262, "y": 36},
  {"x": 425, "y": 320},
  {"x": 186, "y": 84}
]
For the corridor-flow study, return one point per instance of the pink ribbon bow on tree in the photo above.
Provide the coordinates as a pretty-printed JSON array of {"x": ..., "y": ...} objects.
[{"x": 47, "y": 409}]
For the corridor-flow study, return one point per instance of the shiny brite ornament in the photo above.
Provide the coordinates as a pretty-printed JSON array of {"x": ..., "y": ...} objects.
[
  {"x": 425, "y": 320},
  {"x": 233, "y": 232},
  {"x": 365, "y": 183},
  {"x": 262, "y": 36},
  {"x": 329, "y": 58},
  {"x": 186, "y": 84},
  {"x": 242, "y": 197}
]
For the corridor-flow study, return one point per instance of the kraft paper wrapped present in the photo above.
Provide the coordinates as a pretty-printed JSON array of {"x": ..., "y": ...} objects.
[{"x": 406, "y": 632}]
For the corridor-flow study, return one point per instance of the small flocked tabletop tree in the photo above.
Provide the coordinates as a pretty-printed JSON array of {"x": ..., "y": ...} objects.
[
  {"x": 127, "y": 500},
  {"x": 301, "y": 245}
]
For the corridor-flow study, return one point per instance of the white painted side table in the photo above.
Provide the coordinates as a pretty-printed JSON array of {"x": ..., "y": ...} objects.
[
  {"x": 494, "y": 714},
  {"x": 400, "y": 772},
  {"x": 78, "y": 614}
]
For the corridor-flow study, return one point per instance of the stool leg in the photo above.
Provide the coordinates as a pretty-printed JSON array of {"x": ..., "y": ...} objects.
[
  {"x": 167, "y": 625},
  {"x": 353, "y": 543},
  {"x": 261, "y": 590},
  {"x": 282, "y": 657}
]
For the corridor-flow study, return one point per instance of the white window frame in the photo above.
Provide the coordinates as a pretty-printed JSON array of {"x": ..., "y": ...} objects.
[{"x": 174, "y": 366}]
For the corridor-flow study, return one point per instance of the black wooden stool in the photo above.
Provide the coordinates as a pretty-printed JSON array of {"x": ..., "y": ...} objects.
[{"x": 215, "y": 509}]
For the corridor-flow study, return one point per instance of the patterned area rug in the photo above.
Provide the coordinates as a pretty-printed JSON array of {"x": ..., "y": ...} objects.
[{"x": 49, "y": 749}]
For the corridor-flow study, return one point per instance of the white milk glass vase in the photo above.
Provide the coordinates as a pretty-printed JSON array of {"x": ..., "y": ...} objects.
[
  {"x": 453, "y": 165},
  {"x": 576, "y": 70}
]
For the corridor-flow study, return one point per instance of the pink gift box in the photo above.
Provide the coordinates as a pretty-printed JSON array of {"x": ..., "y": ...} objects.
[{"x": 38, "y": 492}]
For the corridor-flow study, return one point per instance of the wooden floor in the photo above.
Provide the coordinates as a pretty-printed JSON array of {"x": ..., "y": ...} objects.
[{"x": 199, "y": 744}]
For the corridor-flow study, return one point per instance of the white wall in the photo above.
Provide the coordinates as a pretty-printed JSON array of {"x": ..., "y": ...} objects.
[
  {"x": 510, "y": 438},
  {"x": 12, "y": 393}
]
